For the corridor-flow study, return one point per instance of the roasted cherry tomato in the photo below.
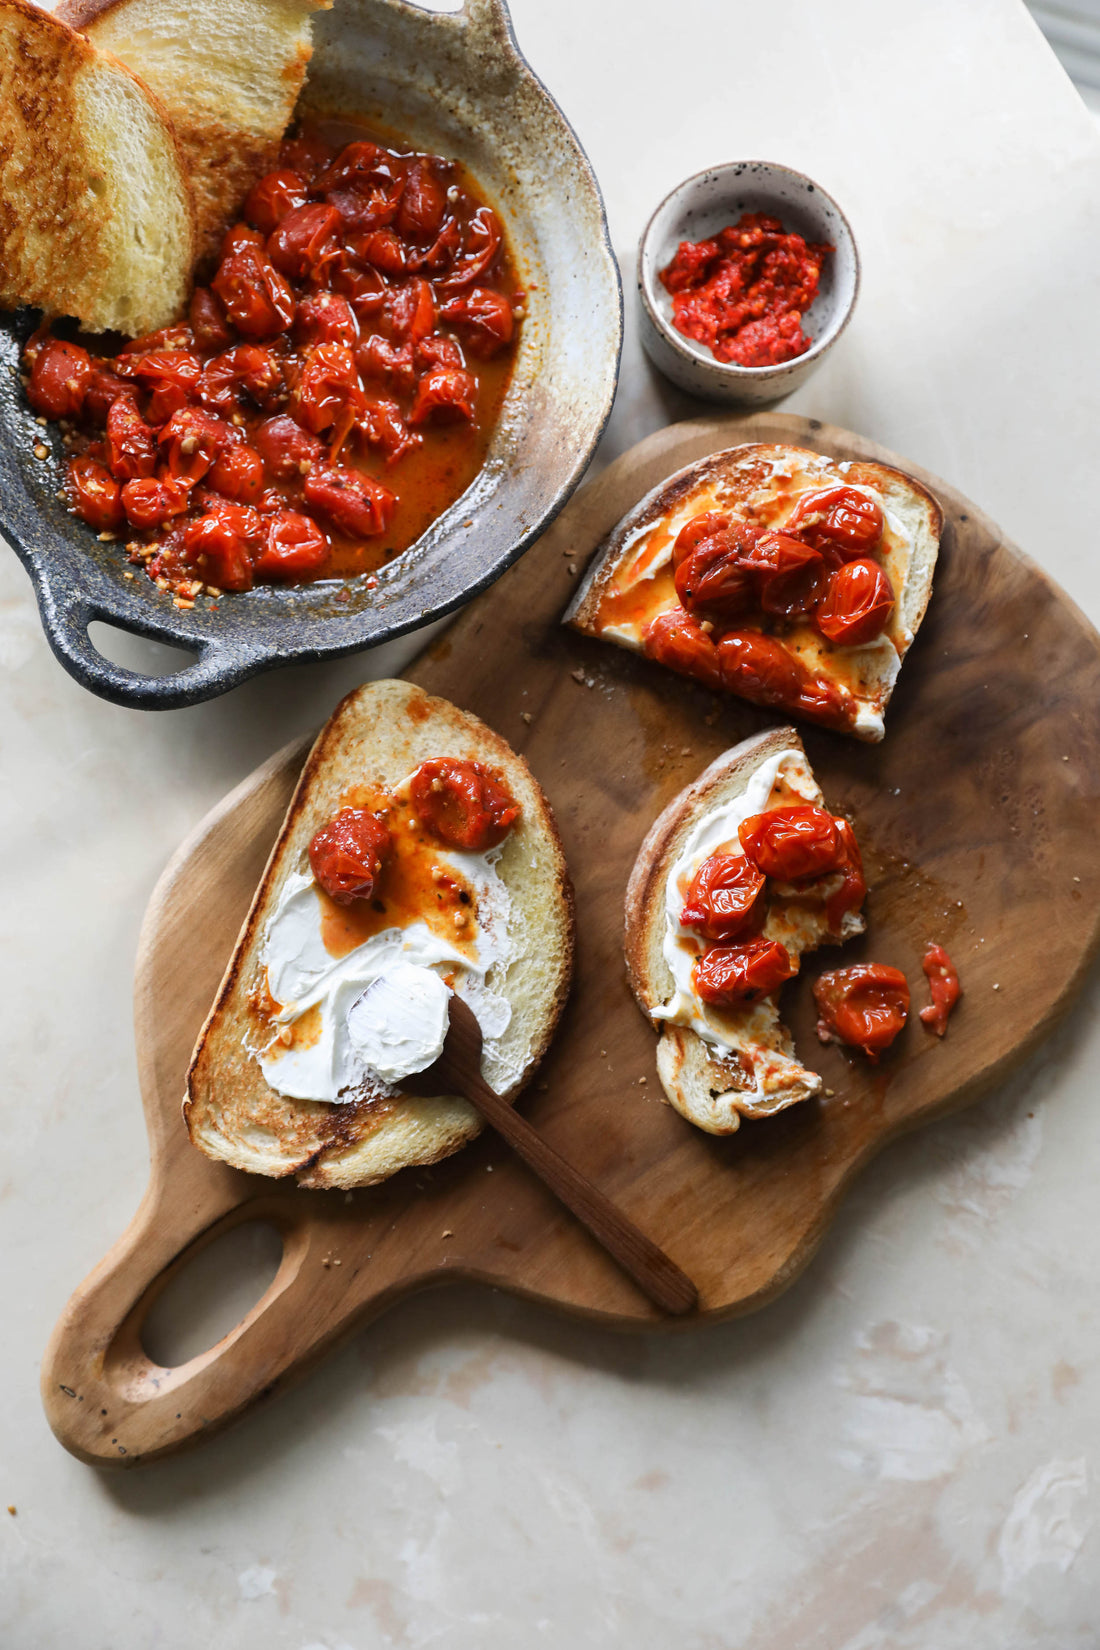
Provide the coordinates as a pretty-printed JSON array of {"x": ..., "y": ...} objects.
[
  {"x": 220, "y": 544},
  {"x": 326, "y": 318},
  {"x": 700, "y": 527},
  {"x": 307, "y": 156},
  {"x": 789, "y": 575},
  {"x": 713, "y": 583},
  {"x": 725, "y": 899},
  {"x": 295, "y": 547},
  {"x": 329, "y": 395},
  {"x": 102, "y": 389},
  {"x": 482, "y": 243},
  {"x": 269, "y": 200},
  {"x": 484, "y": 318},
  {"x": 288, "y": 451},
  {"x": 464, "y": 804},
  {"x": 423, "y": 203},
  {"x": 840, "y": 519},
  {"x": 248, "y": 370},
  {"x": 355, "y": 167},
  {"x": 410, "y": 317},
  {"x": 383, "y": 426},
  {"x": 131, "y": 442},
  {"x": 678, "y": 641},
  {"x": 793, "y": 842},
  {"x": 354, "y": 503},
  {"x": 943, "y": 982},
  {"x": 238, "y": 473},
  {"x": 303, "y": 240},
  {"x": 865, "y": 1006},
  {"x": 729, "y": 974},
  {"x": 857, "y": 605},
  {"x": 59, "y": 379},
  {"x": 209, "y": 327},
  {"x": 191, "y": 441},
  {"x": 760, "y": 668},
  {"x": 256, "y": 298},
  {"x": 169, "y": 378},
  {"x": 94, "y": 494},
  {"x": 346, "y": 855},
  {"x": 444, "y": 395},
  {"x": 150, "y": 503}
]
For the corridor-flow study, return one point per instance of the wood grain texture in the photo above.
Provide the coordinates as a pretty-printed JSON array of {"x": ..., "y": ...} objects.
[{"x": 977, "y": 816}]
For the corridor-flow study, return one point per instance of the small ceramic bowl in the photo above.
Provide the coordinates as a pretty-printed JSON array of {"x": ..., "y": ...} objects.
[{"x": 698, "y": 208}]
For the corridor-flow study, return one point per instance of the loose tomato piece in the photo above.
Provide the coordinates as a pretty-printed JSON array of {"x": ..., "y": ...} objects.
[
  {"x": 484, "y": 318},
  {"x": 150, "y": 503},
  {"x": 760, "y": 669},
  {"x": 703, "y": 526},
  {"x": 269, "y": 200},
  {"x": 789, "y": 574},
  {"x": 303, "y": 240},
  {"x": 731, "y": 974},
  {"x": 383, "y": 426},
  {"x": 865, "y": 1006},
  {"x": 209, "y": 327},
  {"x": 793, "y": 842},
  {"x": 59, "y": 380},
  {"x": 325, "y": 318},
  {"x": 191, "y": 441},
  {"x": 381, "y": 249},
  {"x": 94, "y": 494},
  {"x": 712, "y": 582},
  {"x": 221, "y": 543},
  {"x": 347, "y": 854},
  {"x": 307, "y": 156},
  {"x": 464, "y": 804},
  {"x": 423, "y": 203},
  {"x": 238, "y": 473},
  {"x": 257, "y": 299},
  {"x": 443, "y": 395},
  {"x": 943, "y": 982},
  {"x": 841, "y": 519},
  {"x": 725, "y": 898},
  {"x": 131, "y": 442},
  {"x": 364, "y": 289},
  {"x": 288, "y": 451},
  {"x": 394, "y": 364},
  {"x": 354, "y": 503},
  {"x": 676, "y": 640},
  {"x": 484, "y": 238},
  {"x": 857, "y": 604},
  {"x": 250, "y": 370},
  {"x": 294, "y": 547},
  {"x": 410, "y": 312},
  {"x": 329, "y": 395},
  {"x": 169, "y": 377}
]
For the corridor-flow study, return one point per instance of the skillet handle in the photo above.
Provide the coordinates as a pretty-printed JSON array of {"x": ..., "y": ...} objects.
[{"x": 66, "y": 615}]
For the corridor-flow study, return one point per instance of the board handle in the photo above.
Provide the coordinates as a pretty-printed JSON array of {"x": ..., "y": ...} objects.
[{"x": 106, "y": 1400}]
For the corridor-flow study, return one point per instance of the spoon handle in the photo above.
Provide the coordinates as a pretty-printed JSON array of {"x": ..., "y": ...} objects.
[{"x": 649, "y": 1266}]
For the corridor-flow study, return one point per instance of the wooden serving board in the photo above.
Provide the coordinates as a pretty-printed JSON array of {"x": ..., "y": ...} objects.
[{"x": 978, "y": 820}]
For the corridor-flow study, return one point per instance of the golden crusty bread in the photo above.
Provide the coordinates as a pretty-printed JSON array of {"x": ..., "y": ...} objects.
[
  {"x": 760, "y": 1074},
  {"x": 768, "y": 477},
  {"x": 96, "y": 219},
  {"x": 228, "y": 72},
  {"x": 378, "y": 735}
]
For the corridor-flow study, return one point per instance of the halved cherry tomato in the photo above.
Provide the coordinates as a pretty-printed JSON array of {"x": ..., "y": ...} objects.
[
  {"x": 288, "y": 451},
  {"x": 169, "y": 377},
  {"x": 191, "y": 441},
  {"x": 269, "y": 200},
  {"x": 355, "y": 504},
  {"x": 857, "y": 604},
  {"x": 724, "y": 900},
  {"x": 484, "y": 318},
  {"x": 464, "y": 804},
  {"x": 257, "y": 299},
  {"x": 209, "y": 327},
  {"x": 443, "y": 395},
  {"x": 346, "y": 855},
  {"x": 150, "y": 503},
  {"x": 840, "y": 519},
  {"x": 94, "y": 494},
  {"x": 329, "y": 395},
  {"x": 303, "y": 240},
  {"x": 678, "y": 641},
  {"x": 294, "y": 547},
  {"x": 793, "y": 842},
  {"x": 943, "y": 982},
  {"x": 865, "y": 1006},
  {"x": 238, "y": 473},
  {"x": 729, "y": 974},
  {"x": 700, "y": 527},
  {"x": 423, "y": 203},
  {"x": 325, "y": 318},
  {"x": 131, "y": 442},
  {"x": 221, "y": 543},
  {"x": 789, "y": 575},
  {"x": 59, "y": 379},
  {"x": 713, "y": 583}
]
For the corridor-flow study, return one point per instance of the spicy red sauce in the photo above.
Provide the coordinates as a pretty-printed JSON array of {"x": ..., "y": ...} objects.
[
  {"x": 332, "y": 390},
  {"x": 744, "y": 292}
]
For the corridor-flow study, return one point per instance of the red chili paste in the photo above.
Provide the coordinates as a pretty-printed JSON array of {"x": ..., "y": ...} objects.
[{"x": 744, "y": 292}]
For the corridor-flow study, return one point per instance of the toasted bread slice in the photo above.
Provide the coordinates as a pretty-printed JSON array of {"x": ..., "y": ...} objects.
[
  {"x": 630, "y": 578},
  {"x": 378, "y": 736},
  {"x": 228, "y": 72},
  {"x": 96, "y": 218},
  {"x": 719, "y": 1065}
]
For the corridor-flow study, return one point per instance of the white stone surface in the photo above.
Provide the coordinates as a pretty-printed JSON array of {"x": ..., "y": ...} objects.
[{"x": 901, "y": 1453}]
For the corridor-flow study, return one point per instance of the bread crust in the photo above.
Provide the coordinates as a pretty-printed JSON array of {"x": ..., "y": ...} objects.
[{"x": 230, "y": 1111}]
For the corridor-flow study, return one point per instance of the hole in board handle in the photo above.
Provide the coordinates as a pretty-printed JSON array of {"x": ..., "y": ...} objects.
[
  {"x": 140, "y": 653},
  {"x": 210, "y": 1295}
]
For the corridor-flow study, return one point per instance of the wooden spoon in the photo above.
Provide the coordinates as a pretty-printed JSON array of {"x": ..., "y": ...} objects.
[{"x": 458, "y": 1071}]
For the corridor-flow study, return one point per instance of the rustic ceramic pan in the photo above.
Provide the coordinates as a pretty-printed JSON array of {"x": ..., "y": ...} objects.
[{"x": 452, "y": 82}]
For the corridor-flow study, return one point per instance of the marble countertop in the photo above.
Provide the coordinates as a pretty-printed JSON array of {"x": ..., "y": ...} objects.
[{"x": 899, "y": 1452}]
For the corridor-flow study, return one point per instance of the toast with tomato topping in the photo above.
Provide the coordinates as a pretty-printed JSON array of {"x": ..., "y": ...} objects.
[
  {"x": 721, "y": 1062},
  {"x": 363, "y": 758},
  {"x": 96, "y": 218},
  {"x": 228, "y": 74},
  {"x": 793, "y": 580}
]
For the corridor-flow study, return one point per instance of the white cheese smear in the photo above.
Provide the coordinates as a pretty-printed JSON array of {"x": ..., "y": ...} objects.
[{"x": 399, "y": 1024}]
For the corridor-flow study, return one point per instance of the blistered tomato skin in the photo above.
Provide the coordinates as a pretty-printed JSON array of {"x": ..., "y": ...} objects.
[
  {"x": 95, "y": 495},
  {"x": 838, "y": 520},
  {"x": 730, "y": 974},
  {"x": 943, "y": 982},
  {"x": 725, "y": 900},
  {"x": 713, "y": 582},
  {"x": 864, "y": 1006},
  {"x": 791, "y": 843},
  {"x": 59, "y": 380},
  {"x": 347, "y": 854},
  {"x": 294, "y": 547},
  {"x": 706, "y": 525},
  {"x": 464, "y": 804},
  {"x": 677, "y": 641},
  {"x": 857, "y": 605},
  {"x": 351, "y": 501}
]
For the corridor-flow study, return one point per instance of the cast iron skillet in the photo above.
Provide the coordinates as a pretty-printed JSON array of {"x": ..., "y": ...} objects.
[{"x": 454, "y": 82}]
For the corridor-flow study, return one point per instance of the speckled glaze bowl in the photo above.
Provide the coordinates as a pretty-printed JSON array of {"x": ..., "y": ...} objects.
[
  {"x": 698, "y": 208},
  {"x": 456, "y": 83}
]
